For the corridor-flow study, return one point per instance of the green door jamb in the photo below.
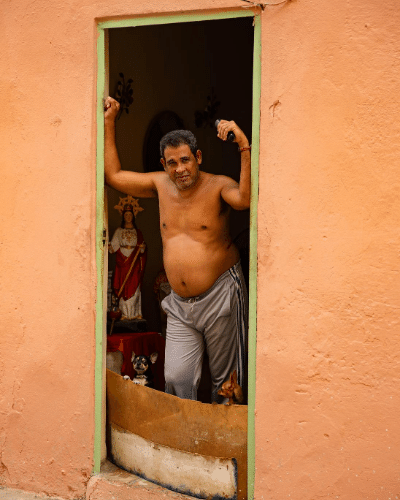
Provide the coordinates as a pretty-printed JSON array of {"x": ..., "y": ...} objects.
[
  {"x": 145, "y": 21},
  {"x": 255, "y": 153},
  {"x": 98, "y": 376}
]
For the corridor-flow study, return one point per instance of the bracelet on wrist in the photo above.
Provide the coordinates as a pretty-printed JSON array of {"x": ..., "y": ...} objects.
[{"x": 246, "y": 148}]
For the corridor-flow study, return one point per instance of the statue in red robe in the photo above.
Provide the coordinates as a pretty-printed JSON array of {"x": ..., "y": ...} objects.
[{"x": 131, "y": 255}]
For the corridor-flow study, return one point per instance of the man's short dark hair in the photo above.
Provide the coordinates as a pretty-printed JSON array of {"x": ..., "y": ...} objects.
[{"x": 177, "y": 138}]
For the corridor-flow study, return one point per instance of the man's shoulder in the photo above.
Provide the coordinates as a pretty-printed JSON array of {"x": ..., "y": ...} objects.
[
  {"x": 159, "y": 177},
  {"x": 158, "y": 174},
  {"x": 221, "y": 180},
  {"x": 217, "y": 178}
]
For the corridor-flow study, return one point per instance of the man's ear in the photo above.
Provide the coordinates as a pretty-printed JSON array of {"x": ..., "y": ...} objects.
[
  {"x": 199, "y": 156},
  {"x": 163, "y": 163}
]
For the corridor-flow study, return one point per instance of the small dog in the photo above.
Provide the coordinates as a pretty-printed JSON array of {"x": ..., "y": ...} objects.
[
  {"x": 232, "y": 390},
  {"x": 142, "y": 367}
]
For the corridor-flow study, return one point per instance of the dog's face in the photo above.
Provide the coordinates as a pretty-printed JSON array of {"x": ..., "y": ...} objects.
[{"x": 141, "y": 363}]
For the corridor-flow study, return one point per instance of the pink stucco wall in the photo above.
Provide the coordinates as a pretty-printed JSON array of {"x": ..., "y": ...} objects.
[
  {"x": 328, "y": 332},
  {"x": 328, "y": 325}
]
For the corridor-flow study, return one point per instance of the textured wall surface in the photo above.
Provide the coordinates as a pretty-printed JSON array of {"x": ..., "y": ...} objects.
[
  {"x": 47, "y": 247},
  {"x": 48, "y": 77},
  {"x": 328, "y": 326},
  {"x": 327, "y": 366}
]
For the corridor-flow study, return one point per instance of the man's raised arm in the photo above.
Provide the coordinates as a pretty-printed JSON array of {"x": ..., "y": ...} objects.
[
  {"x": 237, "y": 195},
  {"x": 135, "y": 183}
]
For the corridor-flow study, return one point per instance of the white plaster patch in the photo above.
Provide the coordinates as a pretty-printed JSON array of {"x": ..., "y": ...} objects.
[{"x": 181, "y": 471}]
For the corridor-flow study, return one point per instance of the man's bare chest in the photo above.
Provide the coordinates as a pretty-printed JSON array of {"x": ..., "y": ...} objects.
[{"x": 201, "y": 212}]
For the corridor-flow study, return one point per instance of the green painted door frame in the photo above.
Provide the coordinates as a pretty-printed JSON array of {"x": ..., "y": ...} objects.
[{"x": 101, "y": 82}]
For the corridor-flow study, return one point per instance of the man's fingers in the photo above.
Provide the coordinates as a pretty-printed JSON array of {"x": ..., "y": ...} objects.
[
  {"x": 109, "y": 102},
  {"x": 221, "y": 129},
  {"x": 224, "y": 127}
]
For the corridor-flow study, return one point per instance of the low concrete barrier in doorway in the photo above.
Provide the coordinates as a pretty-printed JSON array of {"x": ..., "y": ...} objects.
[{"x": 190, "y": 447}]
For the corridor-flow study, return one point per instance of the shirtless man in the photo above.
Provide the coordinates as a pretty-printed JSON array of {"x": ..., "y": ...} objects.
[{"x": 208, "y": 304}]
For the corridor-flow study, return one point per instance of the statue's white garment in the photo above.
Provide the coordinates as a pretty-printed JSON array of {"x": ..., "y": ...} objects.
[
  {"x": 124, "y": 237},
  {"x": 132, "y": 308}
]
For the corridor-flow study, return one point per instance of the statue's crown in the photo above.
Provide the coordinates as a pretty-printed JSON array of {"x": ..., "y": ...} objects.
[{"x": 129, "y": 203}]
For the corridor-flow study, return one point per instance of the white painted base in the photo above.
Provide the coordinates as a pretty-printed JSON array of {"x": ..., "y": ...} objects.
[{"x": 189, "y": 473}]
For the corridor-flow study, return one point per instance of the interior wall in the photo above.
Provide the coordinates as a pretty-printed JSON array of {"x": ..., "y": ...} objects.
[{"x": 174, "y": 67}]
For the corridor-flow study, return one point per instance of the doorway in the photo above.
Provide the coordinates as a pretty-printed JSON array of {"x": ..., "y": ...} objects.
[
  {"x": 182, "y": 77},
  {"x": 183, "y": 69}
]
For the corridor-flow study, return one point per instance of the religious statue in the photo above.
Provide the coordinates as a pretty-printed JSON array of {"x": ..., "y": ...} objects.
[{"x": 131, "y": 255}]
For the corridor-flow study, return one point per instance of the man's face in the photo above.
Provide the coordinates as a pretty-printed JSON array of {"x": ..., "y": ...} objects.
[{"x": 182, "y": 166}]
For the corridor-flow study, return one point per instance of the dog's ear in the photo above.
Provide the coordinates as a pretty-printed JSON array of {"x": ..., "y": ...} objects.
[
  {"x": 133, "y": 356},
  {"x": 153, "y": 357}
]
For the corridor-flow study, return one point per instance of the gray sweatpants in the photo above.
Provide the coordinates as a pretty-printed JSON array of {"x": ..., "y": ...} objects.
[{"x": 215, "y": 320}]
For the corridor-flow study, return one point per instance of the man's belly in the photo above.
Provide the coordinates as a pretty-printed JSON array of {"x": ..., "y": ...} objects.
[{"x": 193, "y": 267}]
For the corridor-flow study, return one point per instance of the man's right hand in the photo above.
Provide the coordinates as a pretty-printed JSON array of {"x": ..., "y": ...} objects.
[{"x": 111, "y": 108}]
